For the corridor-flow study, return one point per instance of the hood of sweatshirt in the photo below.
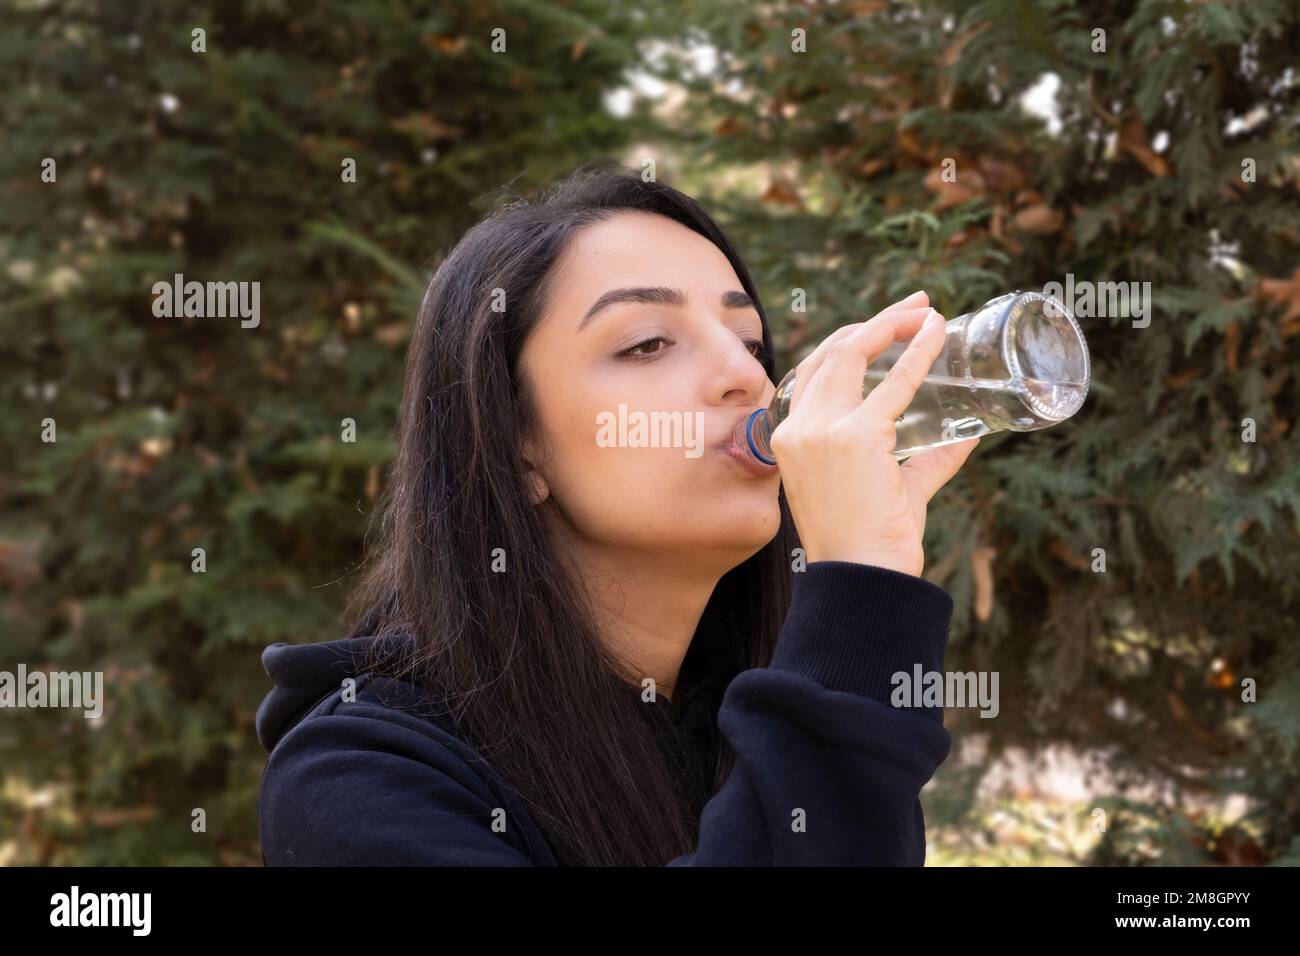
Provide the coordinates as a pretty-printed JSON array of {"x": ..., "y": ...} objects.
[{"x": 304, "y": 674}]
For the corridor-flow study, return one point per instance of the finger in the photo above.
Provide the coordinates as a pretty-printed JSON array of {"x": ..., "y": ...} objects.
[
  {"x": 846, "y": 363},
  {"x": 807, "y": 368},
  {"x": 895, "y": 392},
  {"x": 930, "y": 469}
]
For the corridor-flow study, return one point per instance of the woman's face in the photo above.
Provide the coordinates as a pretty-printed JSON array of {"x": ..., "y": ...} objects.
[{"x": 637, "y": 400}]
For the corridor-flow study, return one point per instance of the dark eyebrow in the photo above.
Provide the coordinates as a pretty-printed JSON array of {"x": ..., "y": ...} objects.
[{"x": 659, "y": 295}]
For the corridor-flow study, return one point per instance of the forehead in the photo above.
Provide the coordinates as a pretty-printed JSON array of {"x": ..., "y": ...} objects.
[{"x": 638, "y": 248}]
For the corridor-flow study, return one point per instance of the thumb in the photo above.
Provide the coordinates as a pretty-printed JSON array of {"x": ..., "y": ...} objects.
[{"x": 928, "y": 471}]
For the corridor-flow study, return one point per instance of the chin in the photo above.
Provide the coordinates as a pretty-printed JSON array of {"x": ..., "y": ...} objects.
[{"x": 746, "y": 533}]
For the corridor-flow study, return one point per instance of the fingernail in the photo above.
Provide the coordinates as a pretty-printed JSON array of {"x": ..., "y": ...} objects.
[
  {"x": 930, "y": 322},
  {"x": 915, "y": 295}
]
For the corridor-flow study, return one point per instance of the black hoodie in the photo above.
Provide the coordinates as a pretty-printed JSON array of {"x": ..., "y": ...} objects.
[{"x": 828, "y": 770}]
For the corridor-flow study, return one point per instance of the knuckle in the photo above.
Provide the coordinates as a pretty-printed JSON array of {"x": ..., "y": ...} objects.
[
  {"x": 910, "y": 369},
  {"x": 900, "y": 373},
  {"x": 884, "y": 429},
  {"x": 838, "y": 434},
  {"x": 783, "y": 440},
  {"x": 832, "y": 438}
]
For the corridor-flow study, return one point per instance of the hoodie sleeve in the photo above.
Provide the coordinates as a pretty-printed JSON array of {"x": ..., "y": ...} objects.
[{"x": 827, "y": 771}]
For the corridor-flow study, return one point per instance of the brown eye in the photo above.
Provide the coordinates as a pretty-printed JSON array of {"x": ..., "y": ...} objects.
[
  {"x": 756, "y": 348},
  {"x": 633, "y": 353}
]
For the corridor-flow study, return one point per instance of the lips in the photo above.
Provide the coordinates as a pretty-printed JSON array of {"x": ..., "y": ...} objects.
[
  {"x": 741, "y": 455},
  {"x": 748, "y": 462}
]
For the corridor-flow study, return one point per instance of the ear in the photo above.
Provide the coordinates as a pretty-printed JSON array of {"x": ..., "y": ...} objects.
[{"x": 538, "y": 489}]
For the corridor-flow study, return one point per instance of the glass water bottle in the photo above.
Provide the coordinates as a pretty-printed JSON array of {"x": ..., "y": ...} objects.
[{"x": 1017, "y": 363}]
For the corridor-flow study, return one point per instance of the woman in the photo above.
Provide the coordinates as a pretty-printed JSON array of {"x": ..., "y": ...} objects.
[{"x": 581, "y": 645}]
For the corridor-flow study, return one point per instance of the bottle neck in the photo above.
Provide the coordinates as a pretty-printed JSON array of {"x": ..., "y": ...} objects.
[{"x": 757, "y": 436}]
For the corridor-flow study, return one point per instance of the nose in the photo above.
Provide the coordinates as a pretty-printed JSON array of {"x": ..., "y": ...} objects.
[{"x": 734, "y": 376}]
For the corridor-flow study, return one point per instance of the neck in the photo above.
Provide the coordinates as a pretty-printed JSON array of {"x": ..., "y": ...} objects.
[{"x": 647, "y": 607}]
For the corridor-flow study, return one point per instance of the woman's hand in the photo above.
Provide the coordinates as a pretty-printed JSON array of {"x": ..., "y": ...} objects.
[{"x": 850, "y": 499}]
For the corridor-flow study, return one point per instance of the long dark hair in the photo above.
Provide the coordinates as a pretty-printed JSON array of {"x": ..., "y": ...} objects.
[{"x": 515, "y": 655}]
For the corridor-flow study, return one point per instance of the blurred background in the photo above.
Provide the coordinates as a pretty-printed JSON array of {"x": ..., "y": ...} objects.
[{"x": 1131, "y": 575}]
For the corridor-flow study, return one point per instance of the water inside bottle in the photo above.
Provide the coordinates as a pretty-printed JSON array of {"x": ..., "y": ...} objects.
[{"x": 947, "y": 410}]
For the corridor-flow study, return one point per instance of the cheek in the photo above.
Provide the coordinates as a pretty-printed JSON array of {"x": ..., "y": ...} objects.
[
  {"x": 596, "y": 478},
  {"x": 625, "y": 493}
]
